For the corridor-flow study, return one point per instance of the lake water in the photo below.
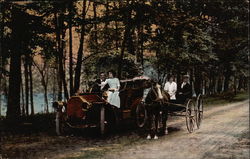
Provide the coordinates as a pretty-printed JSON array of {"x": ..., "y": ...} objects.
[{"x": 39, "y": 104}]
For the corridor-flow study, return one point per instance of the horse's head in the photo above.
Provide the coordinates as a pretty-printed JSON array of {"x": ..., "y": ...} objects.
[{"x": 156, "y": 94}]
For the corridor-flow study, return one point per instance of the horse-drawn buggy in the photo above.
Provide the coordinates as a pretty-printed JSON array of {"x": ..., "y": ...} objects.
[
  {"x": 159, "y": 107},
  {"x": 91, "y": 109}
]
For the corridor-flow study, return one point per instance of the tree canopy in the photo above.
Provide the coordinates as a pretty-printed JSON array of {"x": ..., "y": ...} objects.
[{"x": 73, "y": 41}]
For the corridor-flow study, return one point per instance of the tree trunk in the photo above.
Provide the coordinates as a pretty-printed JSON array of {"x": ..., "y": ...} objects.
[
  {"x": 192, "y": 78},
  {"x": 235, "y": 84},
  {"x": 13, "y": 108},
  {"x": 62, "y": 61},
  {"x": 178, "y": 80},
  {"x": 71, "y": 86},
  {"x": 26, "y": 78},
  {"x": 198, "y": 81},
  {"x": 226, "y": 81},
  {"x": 216, "y": 85},
  {"x": 1, "y": 55},
  {"x": 95, "y": 27},
  {"x": 80, "y": 51},
  {"x": 141, "y": 46},
  {"x": 125, "y": 38},
  {"x": 116, "y": 31},
  {"x": 158, "y": 65},
  {"x": 44, "y": 84},
  {"x": 246, "y": 83},
  {"x": 240, "y": 86},
  {"x": 31, "y": 89},
  {"x": 22, "y": 97},
  {"x": 54, "y": 84},
  {"x": 58, "y": 41},
  {"x": 121, "y": 57},
  {"x": 205, "y": 87},
  {"x": 0, "y": 98}
]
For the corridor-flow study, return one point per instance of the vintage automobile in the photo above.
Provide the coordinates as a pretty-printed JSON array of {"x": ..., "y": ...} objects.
[{"x": 91, "y": 110}]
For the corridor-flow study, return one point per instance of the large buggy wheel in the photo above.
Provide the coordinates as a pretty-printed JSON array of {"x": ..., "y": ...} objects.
[
  {"x": 199, "y": 114},
  {"x": 141, "y": 115},
  {"x": 190, "y": 115}
]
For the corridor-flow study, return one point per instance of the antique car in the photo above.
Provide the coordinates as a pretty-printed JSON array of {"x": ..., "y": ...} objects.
[{"x": 91, "y": 110}]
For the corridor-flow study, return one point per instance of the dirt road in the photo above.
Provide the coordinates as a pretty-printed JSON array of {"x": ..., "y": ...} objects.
[{"x": 224, "y": 134}]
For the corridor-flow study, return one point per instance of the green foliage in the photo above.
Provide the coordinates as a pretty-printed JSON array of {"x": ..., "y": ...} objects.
[
  {"x": 106, "y": 62},
  {"x": 208, "y": 35}
]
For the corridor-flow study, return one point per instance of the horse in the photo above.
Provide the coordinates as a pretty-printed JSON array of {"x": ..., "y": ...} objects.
[{"x": 156, "y": 102}]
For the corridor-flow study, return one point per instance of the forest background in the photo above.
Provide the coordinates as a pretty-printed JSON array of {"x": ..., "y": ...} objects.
[{"x": 49, "y": 50}]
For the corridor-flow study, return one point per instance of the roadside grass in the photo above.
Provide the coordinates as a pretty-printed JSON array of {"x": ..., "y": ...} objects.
[
  {"x": 222, "y": 99},
  {"x": 118, "y": 143},
  {"x": 34, "y": 124}
]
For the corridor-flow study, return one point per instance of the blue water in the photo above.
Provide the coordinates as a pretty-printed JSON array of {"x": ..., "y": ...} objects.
[{"x": 39, "y": 104}]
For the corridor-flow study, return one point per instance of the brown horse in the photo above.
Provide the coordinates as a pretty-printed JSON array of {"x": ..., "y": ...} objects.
[{"x": 156, "y": 102}]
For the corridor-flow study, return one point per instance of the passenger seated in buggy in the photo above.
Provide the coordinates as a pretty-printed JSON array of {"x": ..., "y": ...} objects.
[
  {"x": 171, "y": 88},
  {"x": 185, "y": 91}
]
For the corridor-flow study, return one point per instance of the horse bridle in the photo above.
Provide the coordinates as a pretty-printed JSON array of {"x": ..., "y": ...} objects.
[{"x": 156, "y": 95}]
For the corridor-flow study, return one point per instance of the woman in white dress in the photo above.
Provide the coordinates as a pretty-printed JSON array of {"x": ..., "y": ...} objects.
[
  {"x": 171, "y": 88},
  {"x": 113, "y": 91}
]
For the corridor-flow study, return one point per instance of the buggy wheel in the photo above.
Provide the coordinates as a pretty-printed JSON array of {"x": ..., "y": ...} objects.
[
  {"x": 199, "y": 115},
  {"x": 141, "y": 115},
  {"x": 190, "y": 116}
]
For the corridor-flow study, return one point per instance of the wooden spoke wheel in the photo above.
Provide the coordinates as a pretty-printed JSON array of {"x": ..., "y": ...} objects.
[
  {"x": 190, "y": 115},
  {"x": 199, "y": 115},
  {"x": 141, "y": 115}
]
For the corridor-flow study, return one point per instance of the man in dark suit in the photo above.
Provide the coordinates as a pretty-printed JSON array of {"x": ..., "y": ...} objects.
[
  {"x": 185, "y": 91},
  {"x": 97, "y": 85}
]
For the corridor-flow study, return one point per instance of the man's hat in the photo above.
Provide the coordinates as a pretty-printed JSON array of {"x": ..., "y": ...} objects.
[{"x": 186, "y": 76}]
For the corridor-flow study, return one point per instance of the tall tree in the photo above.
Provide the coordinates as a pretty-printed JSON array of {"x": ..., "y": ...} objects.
[
  {"x": 127, "y": 32},
  {"x": 13, "y": 111},
  {"x": 26, "y": 83},
  {"x": 31, "y": 87},
  {"x": 80, "y": 49},
  {"x": 71, "y": 86}
]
